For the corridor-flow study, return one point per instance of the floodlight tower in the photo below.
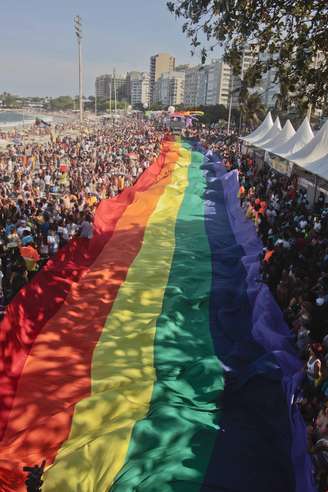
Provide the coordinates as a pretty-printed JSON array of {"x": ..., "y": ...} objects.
[{"x": 78, "y": 32}]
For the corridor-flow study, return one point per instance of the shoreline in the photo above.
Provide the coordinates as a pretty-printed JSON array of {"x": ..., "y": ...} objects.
[
  {"x": 26, "y": 134},
  {"x": 30, "y": 117},
  {"x": 28, "y": 120}
]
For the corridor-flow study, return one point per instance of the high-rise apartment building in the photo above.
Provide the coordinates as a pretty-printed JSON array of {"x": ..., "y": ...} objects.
[
  {"x": 139, "y": 89},
  {"x": 182, "y": 68},
  {"x": 107, "y": 85},
  {"x": 177, "y": 86},
  {"x": 266, "y": 87},
  {"x": 208, "y": 85},
  {"x": 249, "y": 57},
  {"x": 159, "y": 64},
  {"x": 129, "y": 77},
  {"x": 191, "y": 86},
  {"x": 161, "y": 90},
  {"x": 169, "y": 89},
  {"x": 218, "y": 83},
  {"x": 120, "y": 85},
  {"x": 211, "y": 84},
  {"x": 103, "y": 83}
]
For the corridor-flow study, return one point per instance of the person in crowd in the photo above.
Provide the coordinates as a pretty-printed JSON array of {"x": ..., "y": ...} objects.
[
  {"x": 49, "y": 192},
  {"x": 86, "y": 229},
  {"x": 294, "y": 264}
]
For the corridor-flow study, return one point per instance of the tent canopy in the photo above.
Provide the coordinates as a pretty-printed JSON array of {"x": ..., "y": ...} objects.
[
  {"x": 269, "y": 136},
  {"x": 319, "y": 167},
  {"x": 302, "y": 137},
  {"x": 261, "y": 130},
  {"x": 301, "y": 148},
  {"x": 286, "y": 134},
  {"x": 315, "y": 150}
]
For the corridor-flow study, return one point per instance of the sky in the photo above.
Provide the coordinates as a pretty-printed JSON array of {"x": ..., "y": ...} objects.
[{"x": 38, "y": 54}]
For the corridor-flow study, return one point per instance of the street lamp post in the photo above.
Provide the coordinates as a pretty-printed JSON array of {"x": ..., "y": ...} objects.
[
  {"x": 110, "y": 97},
  {"x": 115, "y": 91},
  {"x": 241, "y": 87},
  {"x": 78, "y": 32},
  {"x": 230, "y": 105}
]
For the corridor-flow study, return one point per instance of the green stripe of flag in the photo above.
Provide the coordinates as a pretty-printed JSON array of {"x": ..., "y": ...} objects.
[{"x": 170, "y": 449}]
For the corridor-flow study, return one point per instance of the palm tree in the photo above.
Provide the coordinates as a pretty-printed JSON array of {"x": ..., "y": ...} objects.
[{"x": 252, "y": 108}]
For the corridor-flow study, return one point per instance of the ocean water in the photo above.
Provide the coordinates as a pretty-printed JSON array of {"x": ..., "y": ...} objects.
[
  {"x": 15, "y": 118},
  {"x": 11, "y": 118}
]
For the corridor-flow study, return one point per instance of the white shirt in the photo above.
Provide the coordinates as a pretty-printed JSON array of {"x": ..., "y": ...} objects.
[
  {"x": 86, "y": 229},
  {"x": 283, "y": 242},
  {"x": 21, "y": 229},
  {"x": 63, "y": 232},
  {"x": 54, "y": 242}
]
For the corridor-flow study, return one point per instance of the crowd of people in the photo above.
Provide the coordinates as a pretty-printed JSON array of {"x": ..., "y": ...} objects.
[
  {"x": 49, "y": 192},
  {"x": 295, "y": 267},
  {"x": 34, "y": 129}
]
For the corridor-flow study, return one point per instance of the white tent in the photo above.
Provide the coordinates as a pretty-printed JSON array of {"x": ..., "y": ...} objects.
[
  {"x": 319, "y": 167},
  {"x": 286, "y": 134},
  {"x": 315, "y": 150},
  {"x": 302, "y": 137},
  {"x": 261, "y": 130},
  {"x": 269, "y": 136}
]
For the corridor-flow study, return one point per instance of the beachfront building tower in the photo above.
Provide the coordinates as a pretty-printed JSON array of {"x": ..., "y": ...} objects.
[
  {"x": 103, "y": 83},
  {"x": 134, "y": 75},
  {"x": 107, "y": 85},
  {"x": 169, "y": 89},
  {"x": 159, "y": 64},
  {"x": 208, "y": 85},
  {"x": 139, "y": 90}
]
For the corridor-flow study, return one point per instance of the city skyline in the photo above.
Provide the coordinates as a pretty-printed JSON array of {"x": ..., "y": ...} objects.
[{"x": 41, "y": 53}]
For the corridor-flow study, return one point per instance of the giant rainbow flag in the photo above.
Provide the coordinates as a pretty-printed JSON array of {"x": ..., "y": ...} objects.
[{"x": 151, "y": 359}]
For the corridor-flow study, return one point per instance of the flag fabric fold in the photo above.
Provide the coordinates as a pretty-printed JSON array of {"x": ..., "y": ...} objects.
[{"x": 142, "y": 360}]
